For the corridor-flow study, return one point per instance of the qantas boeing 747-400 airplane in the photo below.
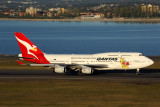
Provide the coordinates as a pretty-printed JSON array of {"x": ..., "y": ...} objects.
[{"x": 82, "y": 63}]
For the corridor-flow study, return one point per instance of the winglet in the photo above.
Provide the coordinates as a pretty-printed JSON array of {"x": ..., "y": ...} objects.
[{"x": 20, "y": 63}]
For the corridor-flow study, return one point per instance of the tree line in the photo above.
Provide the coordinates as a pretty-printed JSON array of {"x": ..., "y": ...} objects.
[{"x": 134, "y": 12}]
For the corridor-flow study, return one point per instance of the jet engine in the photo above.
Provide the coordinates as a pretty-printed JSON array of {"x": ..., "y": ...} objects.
[
  {"x": 87, "y": 70},
  {"x": 59, "y": 69}
]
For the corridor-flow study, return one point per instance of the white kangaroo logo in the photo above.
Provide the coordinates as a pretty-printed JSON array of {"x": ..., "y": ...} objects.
[{"x": 28, "y": 46}]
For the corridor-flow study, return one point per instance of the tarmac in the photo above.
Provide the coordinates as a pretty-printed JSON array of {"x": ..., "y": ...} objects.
[{"x": 146, "y": 76}]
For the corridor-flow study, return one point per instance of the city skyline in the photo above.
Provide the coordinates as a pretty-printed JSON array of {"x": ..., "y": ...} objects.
[{"x": 99, "y": 10}]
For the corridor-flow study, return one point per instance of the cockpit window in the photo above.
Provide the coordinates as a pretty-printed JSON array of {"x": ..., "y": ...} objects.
[{"x": 140, "y": 54}]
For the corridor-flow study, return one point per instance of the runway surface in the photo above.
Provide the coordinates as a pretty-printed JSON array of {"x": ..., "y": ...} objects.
[
  {"x": 114, "y": 75},
  {"x": 117, "y": 76}
]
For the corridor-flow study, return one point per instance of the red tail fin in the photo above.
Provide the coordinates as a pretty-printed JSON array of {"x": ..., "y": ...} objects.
[{"x": 28, "y": 49}]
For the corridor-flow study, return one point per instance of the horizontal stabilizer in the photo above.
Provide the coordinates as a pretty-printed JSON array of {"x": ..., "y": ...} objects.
[
  {"x": 20, "y": 63},
  {"x": 26, "y": 57}
]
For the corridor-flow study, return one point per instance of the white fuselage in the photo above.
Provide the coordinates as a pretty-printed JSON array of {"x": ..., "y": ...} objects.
[{"x": 103, "y": 61}]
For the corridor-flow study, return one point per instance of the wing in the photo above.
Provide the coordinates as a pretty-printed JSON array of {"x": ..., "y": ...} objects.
[{"x": 67, "y": 65}]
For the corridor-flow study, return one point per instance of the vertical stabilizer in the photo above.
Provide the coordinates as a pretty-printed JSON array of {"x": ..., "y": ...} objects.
[{"x": 30, "y": 50}]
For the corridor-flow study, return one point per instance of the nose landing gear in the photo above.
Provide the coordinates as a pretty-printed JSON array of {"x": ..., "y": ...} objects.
[{"x": 138, "y": 72}]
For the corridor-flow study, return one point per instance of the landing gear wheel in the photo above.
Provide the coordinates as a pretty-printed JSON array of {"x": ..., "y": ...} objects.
[
  {"x": 80, "y": 73},
  {"x": 53, "y": 70}
]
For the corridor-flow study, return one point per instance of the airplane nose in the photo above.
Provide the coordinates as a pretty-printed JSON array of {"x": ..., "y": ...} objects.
[{"x": 150, "y": 62}]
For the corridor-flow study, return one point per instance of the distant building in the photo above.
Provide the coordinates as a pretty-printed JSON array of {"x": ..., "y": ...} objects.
[
  {"x": 92, "y": 16},
  {"x": 57, "y": 9},
  {"x": 55, "y": 14},
  {"x": 96, "y": 8},
  {"x": 144, "y": 8},
  {"x": 10, "y": 13},
  {"x": 62, "y": 10},
  {"x": 31, "y": 11},
  {"x": 155, "y": 8},
  {"x": 49, "y": 14},
  {"x": 52, "y": 9},
  {"x": 150, "y": 8},
  {"x": 22, "y": 14}
]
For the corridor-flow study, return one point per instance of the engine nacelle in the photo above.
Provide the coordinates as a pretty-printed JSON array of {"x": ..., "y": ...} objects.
[
  {"x": 59, "y": 69},
  {"x": 87, "y": 70}
]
